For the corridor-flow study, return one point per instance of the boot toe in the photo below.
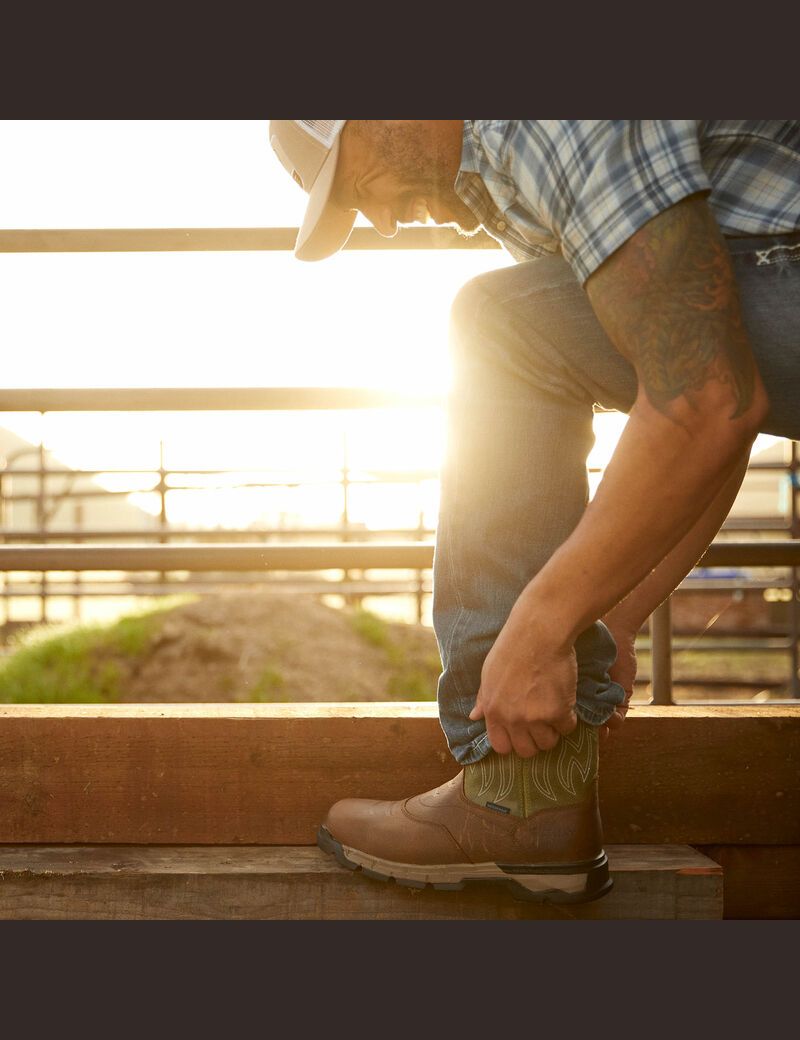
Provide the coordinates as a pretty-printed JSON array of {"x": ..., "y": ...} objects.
[{"x": 351, "y": 820}]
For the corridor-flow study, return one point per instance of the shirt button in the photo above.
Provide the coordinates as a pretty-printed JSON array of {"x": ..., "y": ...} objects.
[{"x": 501, "y": 225}]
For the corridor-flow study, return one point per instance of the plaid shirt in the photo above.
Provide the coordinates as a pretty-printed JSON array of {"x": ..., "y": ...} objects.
[{"x": 586, "y": 185}]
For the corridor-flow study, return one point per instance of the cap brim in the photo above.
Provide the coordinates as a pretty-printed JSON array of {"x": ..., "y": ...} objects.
[{"x": 325, "y": 228}]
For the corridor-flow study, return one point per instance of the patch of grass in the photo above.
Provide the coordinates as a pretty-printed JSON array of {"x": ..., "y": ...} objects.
[
  {"x": 371, "y": 628},
  {"x": 76, "y": 666},
  {"x": 268, "y": 686},
  {"x": 227, "y": 683},
  {"x": 412, "y": 685},
  {"x": 130, "y": 636},
  {"x": 59, "y": 670},
  {"x": 412, "y": 680}
]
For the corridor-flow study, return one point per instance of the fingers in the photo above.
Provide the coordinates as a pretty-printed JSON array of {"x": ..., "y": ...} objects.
[
  {"x": 524, "y": 745},
  {"x": 613, "y": 724},
  {"x": 529, "y": 738},
  {"x": 518, "y": 740},
  {"x": 499, "y": 739},
  {"x": 565, "y": 725},
  {"x": 509, "y": 728},
  {"x": 544, "y": 737},
  {"x": 526, "y": 739}
]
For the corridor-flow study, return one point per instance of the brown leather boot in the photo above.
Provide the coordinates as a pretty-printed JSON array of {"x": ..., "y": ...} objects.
[{"x": 531, "y": 824}]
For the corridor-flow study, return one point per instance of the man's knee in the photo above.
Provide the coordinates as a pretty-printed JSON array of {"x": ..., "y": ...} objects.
[
  {"x": 532, "y": 322},
  {"x": 470, "y": 310},
  {"x": 499, "y": 325},
  {"x": 506, "y": 302}
]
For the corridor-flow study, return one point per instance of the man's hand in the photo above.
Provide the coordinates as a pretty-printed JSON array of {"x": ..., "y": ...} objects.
[
  {"x": 528, "y": 685},
  {"x": 527, "y": 692}
]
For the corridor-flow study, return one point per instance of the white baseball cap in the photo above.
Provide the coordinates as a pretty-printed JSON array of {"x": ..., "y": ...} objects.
[{"x": 309, "y": 150}]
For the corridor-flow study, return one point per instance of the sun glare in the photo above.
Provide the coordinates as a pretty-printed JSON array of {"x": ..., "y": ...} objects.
[{"x": 224, "y": 319}]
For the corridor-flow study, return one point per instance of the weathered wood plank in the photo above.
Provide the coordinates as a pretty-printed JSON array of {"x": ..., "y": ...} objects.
[
  {"x": 301, "y": 883},
  {"x": 762, "y": 882},
  {"x": 266, "y": 774}
]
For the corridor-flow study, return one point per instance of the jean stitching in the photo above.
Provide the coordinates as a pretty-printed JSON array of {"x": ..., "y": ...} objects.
[
  {"x": 777, "y": 254},
  {"x": 479, "y": 744}
]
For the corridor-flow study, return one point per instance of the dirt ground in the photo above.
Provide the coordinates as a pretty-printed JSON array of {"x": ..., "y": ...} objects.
[{"x": 269, "y": 647}]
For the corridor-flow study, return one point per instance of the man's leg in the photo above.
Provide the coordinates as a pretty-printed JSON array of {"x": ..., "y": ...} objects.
[
  {"x": 514, "y": 488},
  {"x": 530, "y": 361}
]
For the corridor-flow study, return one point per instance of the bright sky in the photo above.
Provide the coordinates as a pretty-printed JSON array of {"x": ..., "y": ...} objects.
[{"x": 214, "y": 319}]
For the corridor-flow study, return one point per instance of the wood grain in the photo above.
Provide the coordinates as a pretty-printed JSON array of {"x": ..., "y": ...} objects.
[
  {"x": 762, "y": 882},
  {"x": 266, "y": 774},
  {"x": 247, "y": 883}
]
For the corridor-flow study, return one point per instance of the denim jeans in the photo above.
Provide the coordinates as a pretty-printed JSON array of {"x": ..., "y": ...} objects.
[{"x": 530, "y": 362}]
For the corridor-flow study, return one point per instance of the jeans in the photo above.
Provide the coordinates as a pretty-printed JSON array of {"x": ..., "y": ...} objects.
[{"x": 530, "y": 363}]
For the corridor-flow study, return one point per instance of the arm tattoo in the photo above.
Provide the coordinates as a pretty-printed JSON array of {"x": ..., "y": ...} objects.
[{"x": 668, "y": 299}]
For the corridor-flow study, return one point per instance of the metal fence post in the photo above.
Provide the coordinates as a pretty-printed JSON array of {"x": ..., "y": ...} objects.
[
  {"x": 41, "y": 517},
  {"x": 661, "y": 652},
  {"x": 794, "y": 605},
  {"x": 163, "y": 518}
]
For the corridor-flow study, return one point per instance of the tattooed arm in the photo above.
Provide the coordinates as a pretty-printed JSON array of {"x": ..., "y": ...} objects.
[{"x": 668, "y": 300}]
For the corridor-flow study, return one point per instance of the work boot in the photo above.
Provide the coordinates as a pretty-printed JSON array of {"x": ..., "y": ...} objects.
[{"x": 531, "y": 824}]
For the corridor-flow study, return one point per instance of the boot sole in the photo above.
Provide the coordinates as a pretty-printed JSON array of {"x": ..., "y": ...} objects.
[{"x": 543, "y": 883}]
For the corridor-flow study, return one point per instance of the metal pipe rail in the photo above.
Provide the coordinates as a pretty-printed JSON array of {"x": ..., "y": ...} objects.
[
  {"x": 227, "y": 581},
  {"x": 258, "y": 535},
  {"x": 211, "y": 398},
  {"x": 270, "y": 239},
  {"x": 335, "y": 556}
]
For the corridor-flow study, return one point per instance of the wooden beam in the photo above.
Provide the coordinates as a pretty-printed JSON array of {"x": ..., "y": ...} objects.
[
  {"x": 247, "y": 883},
  {"x": 762, "y": 882},
  {"x": 266, "y": 774}
]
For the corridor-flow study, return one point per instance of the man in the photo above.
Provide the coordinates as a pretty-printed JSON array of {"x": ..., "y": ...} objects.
[{"x": 659, "y": 273}]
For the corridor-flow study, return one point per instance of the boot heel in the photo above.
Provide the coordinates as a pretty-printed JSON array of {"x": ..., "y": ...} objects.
[{"x": 562, "y": 883}]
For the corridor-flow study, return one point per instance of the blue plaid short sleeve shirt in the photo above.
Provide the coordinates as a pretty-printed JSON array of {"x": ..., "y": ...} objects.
[{"x": 585, "y": 186}]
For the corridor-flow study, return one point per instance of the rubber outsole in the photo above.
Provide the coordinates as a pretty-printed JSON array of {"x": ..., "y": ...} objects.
[{"x": 598, "y": 882}]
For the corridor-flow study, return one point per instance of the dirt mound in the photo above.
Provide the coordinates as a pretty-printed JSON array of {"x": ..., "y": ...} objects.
[{"x": 267, "y": 647}]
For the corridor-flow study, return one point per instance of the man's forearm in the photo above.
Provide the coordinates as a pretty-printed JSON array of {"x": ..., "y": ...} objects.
[
  {"x": 629, "y": 615},
  {"x": 659, "y": 484}
]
